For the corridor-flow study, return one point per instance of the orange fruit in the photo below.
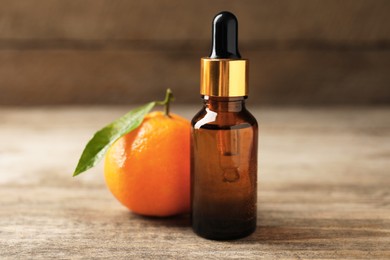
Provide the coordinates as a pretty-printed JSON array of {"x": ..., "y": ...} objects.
[{"x": 148, "y": 169}]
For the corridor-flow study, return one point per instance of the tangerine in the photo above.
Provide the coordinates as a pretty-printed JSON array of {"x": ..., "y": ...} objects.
[{"x": 148, "y": 169}]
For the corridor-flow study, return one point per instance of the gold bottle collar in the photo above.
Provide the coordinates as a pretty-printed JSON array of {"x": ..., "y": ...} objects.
[{"x": 224, "y": 77}]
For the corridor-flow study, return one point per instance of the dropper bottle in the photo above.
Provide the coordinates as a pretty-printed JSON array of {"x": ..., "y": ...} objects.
[{"x": 224, "y": 142}]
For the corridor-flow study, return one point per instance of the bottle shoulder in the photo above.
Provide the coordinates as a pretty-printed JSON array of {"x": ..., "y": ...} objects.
[{"x": 209, "y": 119}]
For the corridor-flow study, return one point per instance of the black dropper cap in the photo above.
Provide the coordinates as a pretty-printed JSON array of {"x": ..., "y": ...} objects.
[
  {"x": 224, "y": 73},
  {"x": 225, "y": 37}
]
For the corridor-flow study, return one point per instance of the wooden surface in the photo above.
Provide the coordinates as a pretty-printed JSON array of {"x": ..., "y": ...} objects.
[
  {"x": 324, "y": 190},
  {"x": 128, "y": 77},
  {"x": 363, "y": 21},
  {"x": 120, "y": 52}
]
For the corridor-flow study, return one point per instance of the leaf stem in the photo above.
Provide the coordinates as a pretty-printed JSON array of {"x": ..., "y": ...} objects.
[{"x": 166, "y": 102}]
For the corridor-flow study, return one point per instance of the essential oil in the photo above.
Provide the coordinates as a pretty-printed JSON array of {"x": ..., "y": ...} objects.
[{"x": 224, "y": 142}]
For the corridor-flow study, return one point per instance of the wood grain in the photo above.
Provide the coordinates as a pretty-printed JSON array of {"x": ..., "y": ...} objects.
[
  {"x": 298, "y": 77},
  {"x": 323, "y": 190},
  {"x": 348, "y": 21},
  {"x": 303, "y": 52}
]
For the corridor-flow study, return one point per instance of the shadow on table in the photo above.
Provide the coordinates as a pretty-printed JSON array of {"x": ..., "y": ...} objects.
[
  {"x": 287, "y": 231},
  {"x": 174, "y": 221}
]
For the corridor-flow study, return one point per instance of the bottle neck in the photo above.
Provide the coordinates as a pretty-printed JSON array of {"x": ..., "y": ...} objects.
[{"x": 224, "y": 104}]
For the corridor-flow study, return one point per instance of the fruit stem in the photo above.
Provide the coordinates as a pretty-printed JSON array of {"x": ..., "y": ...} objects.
[{"x": 166, "y": 102}]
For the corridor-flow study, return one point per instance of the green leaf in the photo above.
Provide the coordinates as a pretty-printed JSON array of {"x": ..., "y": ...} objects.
[{"x": 104, "y": 138}]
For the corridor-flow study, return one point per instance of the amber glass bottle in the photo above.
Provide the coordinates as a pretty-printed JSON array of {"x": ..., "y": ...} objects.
[{"x": 224, "y": 142}]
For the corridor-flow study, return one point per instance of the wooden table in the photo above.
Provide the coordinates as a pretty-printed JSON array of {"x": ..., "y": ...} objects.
[{"x": 324, "y": 190}]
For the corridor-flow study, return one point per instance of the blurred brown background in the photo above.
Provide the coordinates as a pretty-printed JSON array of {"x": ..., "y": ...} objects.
[{"x": 302, "y": 52}]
